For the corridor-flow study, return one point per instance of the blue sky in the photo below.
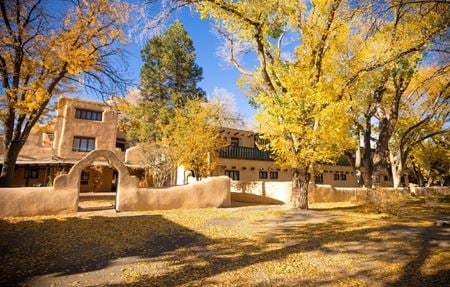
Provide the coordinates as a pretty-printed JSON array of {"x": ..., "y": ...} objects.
[{"x": 218, "y": 76}]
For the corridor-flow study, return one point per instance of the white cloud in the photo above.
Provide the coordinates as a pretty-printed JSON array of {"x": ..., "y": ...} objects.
[{"x": 226, "y": 98}]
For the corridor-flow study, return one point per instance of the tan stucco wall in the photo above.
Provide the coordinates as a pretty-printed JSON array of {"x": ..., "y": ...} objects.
[
  {"x": 211, "y": 192},
  {"x": 430, "y": 191},
  {"x": 249, "y": 171},
  {"x": 67, "y": 127},
  {"x": 134, "y": 156},
  {"x": 30, "y": 201},
  {"x": 246, "y": 138},
  {"x": 328, "y": 193},
  {"x": 248, "y": 174},
  {"x": 281, "y": 191},
  {"x": 37, "y": 146},
  {"x": 275, "y": 190}
]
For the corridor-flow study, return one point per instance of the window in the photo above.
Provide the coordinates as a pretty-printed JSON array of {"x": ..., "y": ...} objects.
[
  {"x": 234, "y": 142},
  {"x": 233, "y": 174},
  {"x": 84, "y": 178},
  {"x": 88, "y": 115},
  {"x": 274, "y": 175},
  {"x": 318, "y": 178},
  {"x": 343, "y": 176},
  {"x": 386, "y": 178},
  {"x": 31, "y": 173},
  {"x": 336, "y": 176},
  {"x": 263, "y": 174},
  {"x": 51, "y": 136},
  {"x": 83, "y": 144}
]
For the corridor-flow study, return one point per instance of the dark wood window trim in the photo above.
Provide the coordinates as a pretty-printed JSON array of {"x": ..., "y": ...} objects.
[
  {"x": 83, "y": 144},
  {"x": 234, "y": 141},
  {"x": 233, "y": 174},
  {"x": 319, "y": 178},
  {"x": 262, "y": 174},
  {"x": 31, "y": 173},
  {"x": 91, "y": 115},
  {"x": 84, "y": 178},
  {"x": 336, "y": 176}
]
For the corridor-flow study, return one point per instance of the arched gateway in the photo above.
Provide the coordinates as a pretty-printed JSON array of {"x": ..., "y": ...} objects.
[{"x": 70, "y": 183}]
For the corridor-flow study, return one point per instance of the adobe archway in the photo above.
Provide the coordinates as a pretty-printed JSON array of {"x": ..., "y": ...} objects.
[{"x": 70, "y": 183}]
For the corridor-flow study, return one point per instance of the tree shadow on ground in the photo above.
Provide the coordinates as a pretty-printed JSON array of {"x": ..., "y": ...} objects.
[
  {"x": 229, "y": 255},
  {"x": 76, "y": 245}
]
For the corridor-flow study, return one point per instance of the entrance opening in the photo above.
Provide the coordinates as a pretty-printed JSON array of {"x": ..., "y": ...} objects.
[{"x": 98, "y": 188}]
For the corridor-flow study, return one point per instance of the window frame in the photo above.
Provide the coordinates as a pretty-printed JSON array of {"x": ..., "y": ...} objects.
[
  {"x": 31, "y": 173},
  {"x": 343, "y": 177},
  {"x": 80, "y": 144},
  {"x": 336, "y": 176},
  {"x": 234, "y": 141},
  {"x": 273, "y": 174},
  {"x": 84, "y": 178},
  {"x": 90, "y": 115},
  {"x": 232, "y": 174},
  {"x": 263, "y": 174},
  {"x": 318, "y": 178}
]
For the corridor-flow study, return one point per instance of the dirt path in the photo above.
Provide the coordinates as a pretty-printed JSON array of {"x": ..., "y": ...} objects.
[{"x": 240, "y": 246}]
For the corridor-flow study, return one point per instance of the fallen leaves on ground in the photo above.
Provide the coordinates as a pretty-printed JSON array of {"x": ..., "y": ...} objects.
[{"x": 340, "y": 244}]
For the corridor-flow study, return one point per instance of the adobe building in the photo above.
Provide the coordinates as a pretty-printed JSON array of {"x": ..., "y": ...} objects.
[
  {"x": 243, "y": 161},
  {"x": 83, "y": 125},
  {"x": 80, "y": 126}
]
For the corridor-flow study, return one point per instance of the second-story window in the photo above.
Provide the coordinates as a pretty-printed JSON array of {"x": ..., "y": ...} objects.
[
  {"x": 83, "y": 144},
  {"x": 263, "y": 174},
  {"x": 233, "y": 174},
  {"x": 88, "y": 115},
  {"x": 234, "y": 142},
  {"x": 274, "y": 175}
]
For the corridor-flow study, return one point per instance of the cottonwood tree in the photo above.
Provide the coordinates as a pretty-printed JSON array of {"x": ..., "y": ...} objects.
[
  {"x": 414, "y": 30},
  {"x": 425, "y": 115},
  {"x": 43, "y": 55},
  {"x": 193, "y": 136},
  {"x": 302, "y": 101},
  {"x": 430, "y": 161}
]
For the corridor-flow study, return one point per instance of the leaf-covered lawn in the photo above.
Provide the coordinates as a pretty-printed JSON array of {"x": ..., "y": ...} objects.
[{"x": 332, "y": 244}]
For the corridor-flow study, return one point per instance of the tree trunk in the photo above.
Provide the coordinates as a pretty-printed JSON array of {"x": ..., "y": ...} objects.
[
  {"x": 300, "y": 183},
  {"x": 396, "y": 168},
  {"x": 367, "y": 155},
  {"x": 9, "y": 164}
]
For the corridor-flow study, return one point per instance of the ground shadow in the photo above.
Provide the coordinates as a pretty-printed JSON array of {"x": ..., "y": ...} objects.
[
  {"x": 77, "y": 245},
  {"x": 74, "y": 245}
]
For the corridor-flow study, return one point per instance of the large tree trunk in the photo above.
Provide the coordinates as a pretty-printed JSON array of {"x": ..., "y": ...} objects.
[
  {"x": 9, "y": 164},
  {"x": 300, "y": 183},
  {"x": 367, "y": 155},
  {"x": 396, "y": 168}
]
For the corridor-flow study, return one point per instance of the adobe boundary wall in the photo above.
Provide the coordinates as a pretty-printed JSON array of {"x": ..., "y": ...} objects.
[
  {"x": 210, "y": 192},
  {"x": 30, "y": 201},
  {"x": 267, "y": 192},
  {"x": 63, "y": 197}
]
